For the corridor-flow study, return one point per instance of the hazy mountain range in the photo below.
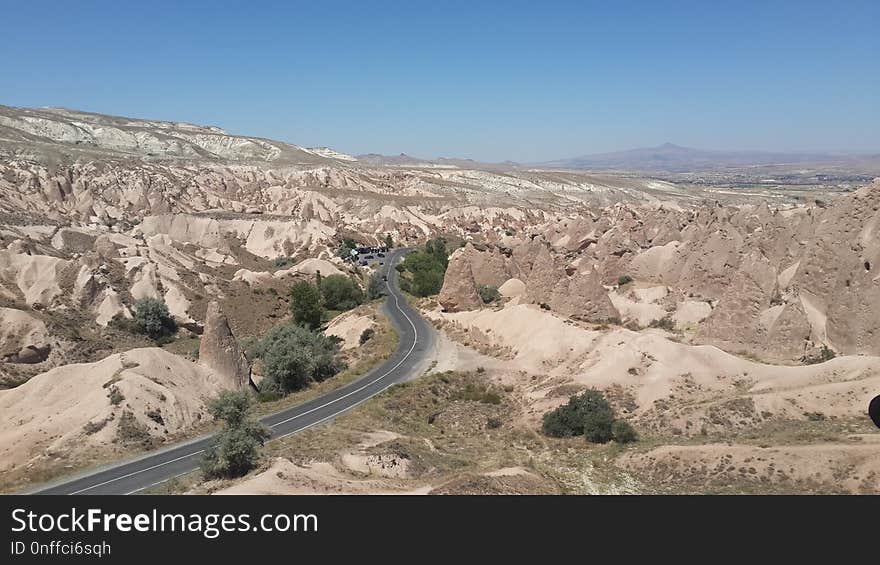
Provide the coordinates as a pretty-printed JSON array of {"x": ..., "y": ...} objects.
[{"x": 675, "y": 158}]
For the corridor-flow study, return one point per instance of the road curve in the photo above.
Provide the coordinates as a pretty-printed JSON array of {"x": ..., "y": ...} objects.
[{"x": 152, "y": 469}]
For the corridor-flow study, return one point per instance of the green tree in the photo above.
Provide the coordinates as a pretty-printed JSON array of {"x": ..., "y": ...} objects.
[
  {"x": 587, "y": 414},
  {"x": 151, "y": 317},
  {"x": 340, "y": 292},
  {"x": 234, "y": 450},
  {"x": 427, "y": 268},
  {"x": 376, "y": 287},
  {"x": 305, "y": 304},
  {"x": 389, "y": 243},
  {"x": 293, "y": 357}
]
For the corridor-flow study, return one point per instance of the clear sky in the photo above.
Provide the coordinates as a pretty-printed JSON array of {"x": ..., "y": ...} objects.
[{"x": 525, "y": 81}]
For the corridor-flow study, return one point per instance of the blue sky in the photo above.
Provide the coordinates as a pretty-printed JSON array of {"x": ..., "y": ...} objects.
[{"x": 524, "y": 81}]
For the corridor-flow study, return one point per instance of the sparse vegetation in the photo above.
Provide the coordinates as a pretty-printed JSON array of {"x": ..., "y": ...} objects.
[
  {"x": 624, "y": 280},
  {"x": 389, "y": 242},
  {"x": 235, "y": 450},
  {"x": 665, "y": 323},
  {"x": 366, "y": 335},
  {"x": 155, "y": 415},
  {"x": 306, "y": 305},
  {"x": 282, "y": 262},
  {"x": 488, "y": 293},
  {"x": 824, "y": 354},
  {"x": 132, "y": 432},
  {"x": 478, "y": 393},
  {"x": 115, "y": 395}
]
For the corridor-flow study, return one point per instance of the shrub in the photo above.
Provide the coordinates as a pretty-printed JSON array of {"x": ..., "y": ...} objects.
[
  {"x": 376, "y": 287},
  {"x": 305, "y": 304},
  {"x": 115, "y": 396},
  {"x": 281, "y": 262},
  {"x": 366, "y": 335},
  {"x": 156, "y": 415},
  {"x": 493, "y": 423},
  {"x": 623, "y": 432},
  {"x": 598, "y": 423},
  {"x": 825, "y": 354},
  {"x": 478, "y": 393},
  {"x": 269, "y": 396},
  {"x": 151, "y": 318},
  {"x": 427, "y": 268},
  {"x": 235, "y": 450},
  {"x": 131, "y": 431},
  {"x": 389, "y": 243},
  {"x": 488, "y": 293},
  {"x": 340, "y": 292},
  {"x": 665, "y": 323},
  {"x": 293, "y": 356},
  {"x": 344, "y": 250},
  {"x": 624, "y": 280},
  {"x": 587, "y": 414}
]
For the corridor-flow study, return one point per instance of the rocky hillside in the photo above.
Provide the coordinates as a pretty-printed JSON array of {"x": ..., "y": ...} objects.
[{"x": 782, "y": 284}]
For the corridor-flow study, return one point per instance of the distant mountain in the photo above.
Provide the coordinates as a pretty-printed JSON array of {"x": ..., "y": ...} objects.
[
  {"x": 674, "y": 158},
  {"x": 404, "y": 160}
]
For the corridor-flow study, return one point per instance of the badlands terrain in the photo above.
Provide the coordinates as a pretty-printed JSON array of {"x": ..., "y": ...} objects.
[{"x": 737, "y": 328}]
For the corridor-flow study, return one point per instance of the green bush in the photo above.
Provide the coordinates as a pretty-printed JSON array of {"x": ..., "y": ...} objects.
[
  {"x": 624, "y": 279},
  {"x": 665, "y": 323},
  {"x": 366, "y": 335},
  {"x": 293, "y": 357},
  {"x": 427, "y": 268},
  {"x": 234, "y": 450},
  {"x": 340, "y": 292},
  {"x": 281, "y": 262},
  {"x": 623, "y": 432},
  {"x": 488, "y": 293},
  {"x": 115, "y": 395},
  {"x": 305, "y": 304},
  {"x": 344, "y": 250},
  {"x": 389, "y": 243},
  {"x": 376, "y": 286},
  {"x": 587, "y": 414},
  {"x": 151, "y": 318}
]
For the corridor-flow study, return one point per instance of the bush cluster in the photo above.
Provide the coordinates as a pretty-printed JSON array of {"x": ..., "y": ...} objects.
[
  {"x": 150, "y": 317},
  {"x": 590, "y": 415},
  {"x": 340, "y": 292},
  {"x": 293, "y": 357},
  {"x": 427, "y": 268},
  {"x": 235, "y": 450}
]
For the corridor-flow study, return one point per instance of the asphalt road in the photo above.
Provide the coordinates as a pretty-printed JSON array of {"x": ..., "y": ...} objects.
[{"x": 155, "y": 468}]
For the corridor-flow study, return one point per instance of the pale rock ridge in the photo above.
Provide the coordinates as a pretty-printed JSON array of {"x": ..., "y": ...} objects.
[{"x": 220, "y": 351}]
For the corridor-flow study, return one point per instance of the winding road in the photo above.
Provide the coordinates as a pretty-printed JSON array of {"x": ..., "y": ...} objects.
[{"x": 147, "y": 471}]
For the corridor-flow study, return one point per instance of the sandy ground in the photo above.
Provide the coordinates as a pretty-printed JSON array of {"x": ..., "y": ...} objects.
[
  {"x": 687, "y": 393},
  {"x": 349, "y": 327}
]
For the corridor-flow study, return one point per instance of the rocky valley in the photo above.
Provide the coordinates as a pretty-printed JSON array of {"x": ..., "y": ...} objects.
[{"x": 737, "y": 330}]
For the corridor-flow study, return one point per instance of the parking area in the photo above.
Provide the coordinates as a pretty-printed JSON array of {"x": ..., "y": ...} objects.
[{"x": 368, "y": 256}]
